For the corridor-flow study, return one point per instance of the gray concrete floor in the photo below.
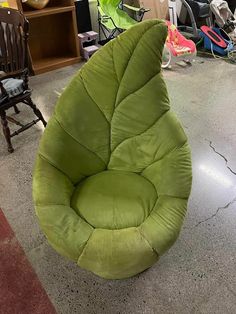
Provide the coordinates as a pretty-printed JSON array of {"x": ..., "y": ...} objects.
[{"x": 198, "y": 273}]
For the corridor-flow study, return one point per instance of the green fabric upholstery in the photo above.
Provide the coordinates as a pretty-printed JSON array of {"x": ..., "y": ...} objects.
[
  {"x": 113, "y": 171},
  {"x": 111, "y": 9}
]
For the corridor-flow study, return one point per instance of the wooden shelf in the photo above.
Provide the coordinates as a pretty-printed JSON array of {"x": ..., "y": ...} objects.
[
  {"x": 47, "y": 11},
  {"x": 53, "y": 34},
  {"x": 48, "y": 64}
]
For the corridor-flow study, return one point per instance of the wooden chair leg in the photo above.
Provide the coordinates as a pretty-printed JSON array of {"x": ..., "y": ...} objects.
[
  {"x": 6, "y": 131},
  {"x": 37, "y": 112},
  {"x": 16, "y": 109}
]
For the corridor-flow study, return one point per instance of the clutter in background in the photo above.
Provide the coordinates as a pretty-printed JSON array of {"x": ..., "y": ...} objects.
[
  {"x": 187, "y": 25},
  {"x": 223, "y": 15},
  {"x": 53, "y": 41},
  {"x": 216, "y": 40},
  {"x": 177, "y": 48},
  {"x": 211, "y": 26},
  {"x": 88, "y": 44},
  {"x": 225, "y": 18},
  {"x": 114, "y": 18},
  {"x": 4, "y": 4},
  {"x": 191, "y": 14}
]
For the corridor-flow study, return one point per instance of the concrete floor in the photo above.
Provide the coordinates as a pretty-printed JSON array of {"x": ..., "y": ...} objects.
[{"x": 198, "y": 274}]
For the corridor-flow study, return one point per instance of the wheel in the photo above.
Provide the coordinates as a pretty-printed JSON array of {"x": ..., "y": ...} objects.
[{"x": 166, "y": 58}]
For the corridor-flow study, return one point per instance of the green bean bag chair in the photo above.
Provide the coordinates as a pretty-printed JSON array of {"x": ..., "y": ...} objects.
[{"x": 113, "y": 171}]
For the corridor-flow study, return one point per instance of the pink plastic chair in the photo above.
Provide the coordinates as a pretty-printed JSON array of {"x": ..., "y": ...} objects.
[{"x": 177, "y": 47}]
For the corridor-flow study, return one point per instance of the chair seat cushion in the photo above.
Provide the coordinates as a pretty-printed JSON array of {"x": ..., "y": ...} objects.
[
  {"x": 114, "y": 199},
  {"x": 13, "y": 87}
]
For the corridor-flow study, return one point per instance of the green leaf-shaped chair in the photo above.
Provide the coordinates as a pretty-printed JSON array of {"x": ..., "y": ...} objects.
[{"x": 113, "y": 171}]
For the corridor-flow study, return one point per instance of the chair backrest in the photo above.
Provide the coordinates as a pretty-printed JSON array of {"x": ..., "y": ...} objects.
[
  {"x": 117, "y": 96},
  {"x": 110, "y": 3},
  {"x": 13, "y": 40},
  {"x": 120, "y": 18}
]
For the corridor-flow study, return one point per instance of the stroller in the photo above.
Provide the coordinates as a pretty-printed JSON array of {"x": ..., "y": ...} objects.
[
  {"x": 191, "y": 15},
  {"x": 223, "y": 15}
]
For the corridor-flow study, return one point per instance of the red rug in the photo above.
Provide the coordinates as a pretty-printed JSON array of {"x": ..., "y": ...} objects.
[{"x": 20, "y": 289}]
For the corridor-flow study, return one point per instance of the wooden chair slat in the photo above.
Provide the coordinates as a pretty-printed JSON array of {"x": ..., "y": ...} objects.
[
  {"x": 15, "y": 48},
  {"x": 3, "y": 49},
  {"x": 9, "y": 48}
]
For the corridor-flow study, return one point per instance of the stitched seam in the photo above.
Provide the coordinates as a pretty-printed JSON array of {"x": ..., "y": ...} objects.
[
  {"x": 54, "y": 166},
  {"x": 130, "y": 95},
  {"x": 158, "y": 199},
  {"x": 82, "y": 217},
  {"x": 93, "y": 99},
  {"x": 161, "y": 217},
  {"x": 60, "y": 124},
  {"x": 63, "y": 240},
  {"x": 115, "y": 100},
  {"x": 79, "y": 217},
  {"x": 128, "y": 138},
  {"x": 52, "y": 204},
  {"x": 127, "y": 65},
  {"x": 172, "y": 196},
  {"x": 85, "y": 246},
  {"x": 145, "y": 239},
  {"x": 131, "y": 57},
  {"x": 165, "y": 155},
  {"x": 153, "y": 187},
  {"x": 114, "y": 63},
  {"x": 140, "y": 88}
]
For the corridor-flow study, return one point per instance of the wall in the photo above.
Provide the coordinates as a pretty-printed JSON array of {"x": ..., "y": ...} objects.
[{"x": 94, "y": 14}]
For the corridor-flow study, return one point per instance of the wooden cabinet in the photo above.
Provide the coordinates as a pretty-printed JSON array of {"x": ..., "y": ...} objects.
[{"x": 53, "y": 39}]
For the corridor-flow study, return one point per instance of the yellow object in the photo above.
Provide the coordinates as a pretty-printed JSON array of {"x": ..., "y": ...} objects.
[{"x": 4, "y": 4}]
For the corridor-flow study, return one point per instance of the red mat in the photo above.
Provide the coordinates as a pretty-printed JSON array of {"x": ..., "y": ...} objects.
[{"x": 20, "y": 289}]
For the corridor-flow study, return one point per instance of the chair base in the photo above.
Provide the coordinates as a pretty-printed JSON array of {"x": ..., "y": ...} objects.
[
  {"x": 4, "y": 121},
  {"x": 6, "y": 131}
]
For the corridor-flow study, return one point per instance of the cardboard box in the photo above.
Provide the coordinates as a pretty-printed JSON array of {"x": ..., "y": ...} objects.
[{"x": 159, "y": 8}]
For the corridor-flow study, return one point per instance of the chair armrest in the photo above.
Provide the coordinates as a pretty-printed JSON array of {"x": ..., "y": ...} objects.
[
  {"x": 135, "y": 9},
  {"x": 66, "y": 231},
  {"x": 22, "y": 73}
]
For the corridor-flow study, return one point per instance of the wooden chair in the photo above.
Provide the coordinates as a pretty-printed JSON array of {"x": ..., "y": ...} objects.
[{"x": 14, "y": 87}]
